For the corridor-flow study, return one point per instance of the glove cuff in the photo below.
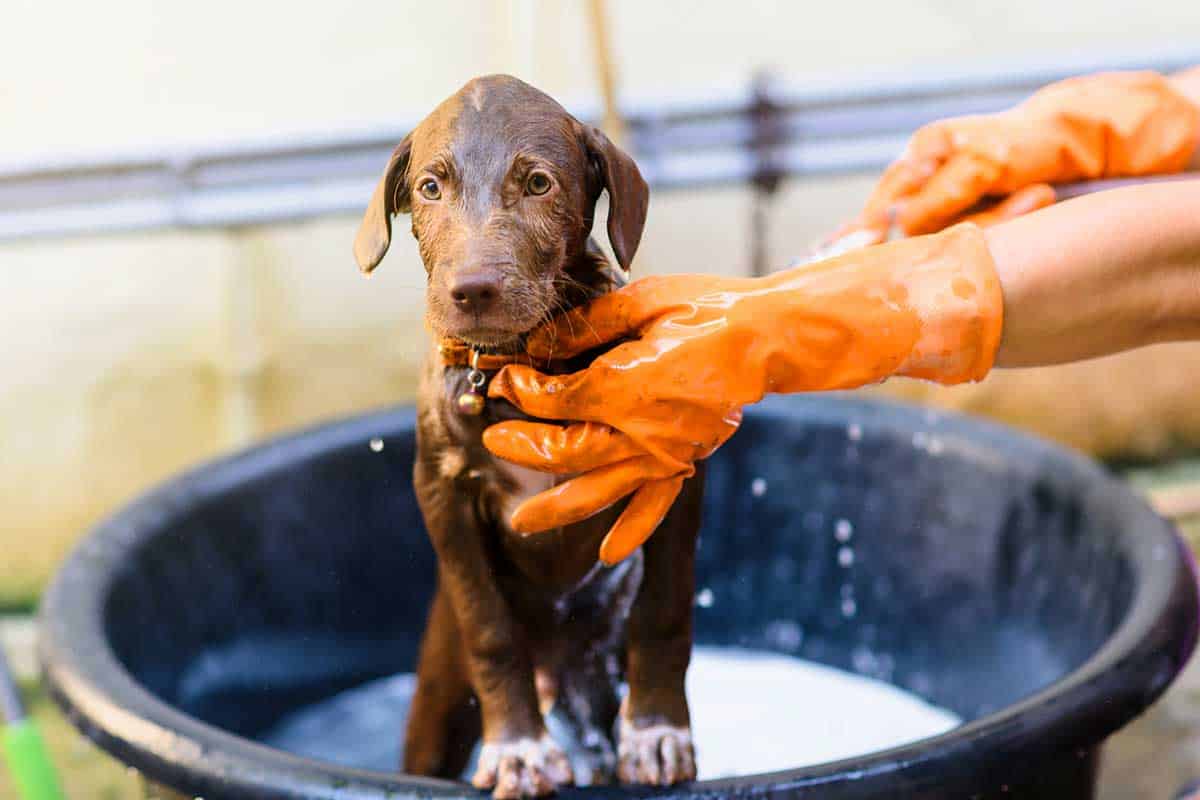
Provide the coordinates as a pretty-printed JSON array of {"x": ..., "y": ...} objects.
[{"x": 956, "y": 294}]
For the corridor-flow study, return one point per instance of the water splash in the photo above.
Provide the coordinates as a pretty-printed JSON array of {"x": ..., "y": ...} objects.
[{"x": 376, "y": 445}]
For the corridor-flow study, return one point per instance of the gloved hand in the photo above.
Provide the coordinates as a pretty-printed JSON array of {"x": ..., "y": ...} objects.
[
  {"x": 1101, "y": 126},
  {"x": 702, "y": 347}
]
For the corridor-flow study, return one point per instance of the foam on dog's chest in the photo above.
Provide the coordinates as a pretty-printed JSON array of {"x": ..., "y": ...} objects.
[{"x": 514, "y": 485}]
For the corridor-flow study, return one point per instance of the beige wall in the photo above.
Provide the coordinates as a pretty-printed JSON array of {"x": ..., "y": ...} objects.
[
  {"x": 82, "y": 75},
  {"x": 126, "y": 358}
]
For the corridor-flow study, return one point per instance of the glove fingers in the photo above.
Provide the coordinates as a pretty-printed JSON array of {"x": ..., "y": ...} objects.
[
  {"x": 901, "y": 179},
  {"x": 581, "y": 497},
  {"x": 609, "y": 317},
  {"x": 1019, "y": 203},
  {"x": 579, "y": 447},
  {"x": 953, "y": 189},
  {"x": 585, "y": 396},
  {"x": 538, "y": 395},
  {"x": 618, "y": 315},
  {"x": 640, "y": 519}
]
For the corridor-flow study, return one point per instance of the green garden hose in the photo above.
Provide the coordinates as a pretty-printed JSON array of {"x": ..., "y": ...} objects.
[{"x": 24, "y": 750}]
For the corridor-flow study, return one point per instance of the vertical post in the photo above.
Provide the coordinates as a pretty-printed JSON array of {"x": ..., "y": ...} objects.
[
  {"x": 246, "y": 351},
  {"x": 766, "y": 136},
  {"x": 613, "y": 124}
]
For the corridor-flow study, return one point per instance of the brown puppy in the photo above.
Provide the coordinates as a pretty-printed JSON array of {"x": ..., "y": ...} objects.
[{"x": 501, "y": 183}]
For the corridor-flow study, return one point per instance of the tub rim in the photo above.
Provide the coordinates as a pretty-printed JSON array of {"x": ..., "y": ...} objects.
[{"x": 101, "y": 698}]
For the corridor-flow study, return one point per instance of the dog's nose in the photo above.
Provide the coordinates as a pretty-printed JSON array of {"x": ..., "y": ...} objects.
[{"x": 475, "y": 292}]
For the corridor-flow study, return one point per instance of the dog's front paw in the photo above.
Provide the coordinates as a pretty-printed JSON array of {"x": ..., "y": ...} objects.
[
  {"x": 658, "y": 755},
  {"x": 522, "y": 768}
]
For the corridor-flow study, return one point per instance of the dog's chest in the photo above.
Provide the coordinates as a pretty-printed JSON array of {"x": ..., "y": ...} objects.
[{"x": 502, "y": 485}]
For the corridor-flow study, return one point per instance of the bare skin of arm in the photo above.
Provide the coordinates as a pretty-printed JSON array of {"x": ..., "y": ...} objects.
[
  {"x": 1100, "y": 274},
  {"x": 1103, "y": 273}
]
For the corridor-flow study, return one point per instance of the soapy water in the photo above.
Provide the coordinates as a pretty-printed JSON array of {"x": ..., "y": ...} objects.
[{"x": 752, "y": 712}]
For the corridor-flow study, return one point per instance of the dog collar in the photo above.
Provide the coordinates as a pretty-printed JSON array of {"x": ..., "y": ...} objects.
[{"x": 455, "y": 353}]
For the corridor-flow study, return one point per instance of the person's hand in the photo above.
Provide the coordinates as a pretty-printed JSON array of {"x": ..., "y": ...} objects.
[
  {"x": 1101, "y": 126},
  {"x": 701, "y": 347}
]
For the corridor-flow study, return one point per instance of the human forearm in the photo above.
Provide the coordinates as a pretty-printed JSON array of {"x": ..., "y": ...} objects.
[{"x": 1100, "y": 274}]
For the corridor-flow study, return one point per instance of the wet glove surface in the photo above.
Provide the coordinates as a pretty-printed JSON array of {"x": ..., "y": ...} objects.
[{"x": 700, "y": 347}]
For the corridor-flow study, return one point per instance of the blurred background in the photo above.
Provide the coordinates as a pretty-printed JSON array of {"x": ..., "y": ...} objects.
[{"x": 180, "y": 184}]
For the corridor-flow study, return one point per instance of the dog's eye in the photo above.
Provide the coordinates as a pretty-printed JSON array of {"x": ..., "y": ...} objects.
[
  {"x": 538, "y": 183},
  {"x": 430, "y": 190}
]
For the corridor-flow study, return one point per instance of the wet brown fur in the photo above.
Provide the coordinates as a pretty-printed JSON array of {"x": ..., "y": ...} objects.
[{"x": 509, "y": 607}]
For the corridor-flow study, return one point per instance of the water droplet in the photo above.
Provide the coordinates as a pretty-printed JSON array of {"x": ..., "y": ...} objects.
[
  {"x": 704, "y": 598},
  {"x": 758, "y": 487},
  {"x": 854, "y": 431},
  {"x": 935, "y": 446},
  {"x": 920, "y": 683},
  {"x": 863, "y": 661},
  {"x": 849, "y": 607},
  {"x": 376, "y": 445},
  {"x": 845, "y": 556},
  {"x": 785, "y": 634},
  {"x": 843, "y": 530},
  {"x": 919, "y": 440}
]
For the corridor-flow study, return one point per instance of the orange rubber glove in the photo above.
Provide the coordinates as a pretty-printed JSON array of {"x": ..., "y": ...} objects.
[
  {"x": 1101, "y": 126},
  {"x": 703, "y": 346}
]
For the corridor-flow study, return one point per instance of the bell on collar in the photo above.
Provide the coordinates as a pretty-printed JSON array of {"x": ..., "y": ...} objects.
[{"x": 472, "y": 401}]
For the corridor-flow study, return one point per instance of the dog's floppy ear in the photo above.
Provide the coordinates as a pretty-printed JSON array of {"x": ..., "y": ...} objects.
[
  {"x": 390, "y": 197},
  {"x": 628, "y": 194}
]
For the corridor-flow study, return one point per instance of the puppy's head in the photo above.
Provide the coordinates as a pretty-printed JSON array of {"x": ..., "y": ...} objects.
[{"x": 501, "y": 183}]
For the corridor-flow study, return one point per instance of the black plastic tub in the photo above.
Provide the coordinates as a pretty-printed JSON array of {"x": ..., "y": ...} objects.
[{"x": 1005, "y": 579}]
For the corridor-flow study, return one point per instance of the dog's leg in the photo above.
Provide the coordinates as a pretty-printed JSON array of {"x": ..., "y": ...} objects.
[
  {"x": 443, "y": 721},
  {"x": 587, "y": 701},
  {"x": 518, "y": 757},
  {"x": 654, "y": 734}
]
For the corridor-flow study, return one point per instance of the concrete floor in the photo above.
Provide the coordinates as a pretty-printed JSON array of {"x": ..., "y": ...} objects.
[{"x": 1160, "y": 752}]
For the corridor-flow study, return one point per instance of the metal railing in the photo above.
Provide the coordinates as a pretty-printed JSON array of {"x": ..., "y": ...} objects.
[{"x": 759, "y": 134}]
